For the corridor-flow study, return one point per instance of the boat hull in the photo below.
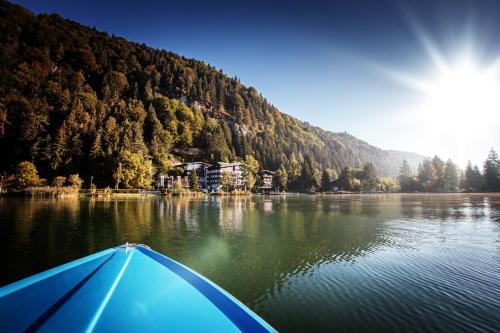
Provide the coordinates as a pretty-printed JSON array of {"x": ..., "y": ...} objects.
[{"x": 128, "y": 289}]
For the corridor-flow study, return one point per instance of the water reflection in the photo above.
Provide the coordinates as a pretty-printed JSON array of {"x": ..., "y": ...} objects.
[{"x": 306, "y": 263}]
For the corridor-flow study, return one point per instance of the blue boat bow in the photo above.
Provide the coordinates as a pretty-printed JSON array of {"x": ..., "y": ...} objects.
[{"x": 130, "y": 288}]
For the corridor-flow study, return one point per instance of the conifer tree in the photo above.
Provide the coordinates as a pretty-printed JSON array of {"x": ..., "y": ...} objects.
[
  {"x": 194, "y": 181},
  {"x": 294, "y": 170},
  {"x": 404, "y": 177},
  {"x": 281, "y": 178},
  {"x": 440, "y": 170},
  {"x": 227, "y": 180},
  {"x": 369, "y": 177},
  {"x": 427, "y": 176},
  {"x": 473, "y": 180},
  {"x": 309, "y": 178},
  {"x": 491, "y": 172},
  {"x": 345, "y": 179},
  {"x": 325, "y": 181},
  {"x": 451, "y": 180}
]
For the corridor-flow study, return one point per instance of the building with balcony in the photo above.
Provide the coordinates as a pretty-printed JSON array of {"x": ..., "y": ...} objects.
[
  {"x": 265, "y": 181},
  {"x": 201, "y": 169},
  {"x": 215, "y": 177}
]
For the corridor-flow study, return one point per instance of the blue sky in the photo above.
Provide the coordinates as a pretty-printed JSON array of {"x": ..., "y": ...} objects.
[{"x": 340, "y": 65}]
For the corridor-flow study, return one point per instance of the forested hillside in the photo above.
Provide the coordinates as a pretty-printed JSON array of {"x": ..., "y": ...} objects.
[{"x": 76, "y": 100}]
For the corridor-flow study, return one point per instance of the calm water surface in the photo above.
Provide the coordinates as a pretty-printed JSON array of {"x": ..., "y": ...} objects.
[{"x": 374, "y": 263}]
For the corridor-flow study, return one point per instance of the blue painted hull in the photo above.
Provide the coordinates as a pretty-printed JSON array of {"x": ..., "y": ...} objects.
[{"x": 126, "y": 289}]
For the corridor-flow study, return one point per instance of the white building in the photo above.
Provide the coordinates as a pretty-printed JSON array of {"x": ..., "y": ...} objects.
[
  {"x": 266, "y": 181},
  {"x": 201, "y": 169},
  {"x": 215, "y": 172}
]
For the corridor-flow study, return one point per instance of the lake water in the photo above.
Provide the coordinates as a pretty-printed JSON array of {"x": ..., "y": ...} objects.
[{"x": 355, "y": 263}]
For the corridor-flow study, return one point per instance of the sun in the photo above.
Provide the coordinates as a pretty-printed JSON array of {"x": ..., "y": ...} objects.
[
  {"x": 454, "y": 108},
  {"x": 460, "y": 92}
]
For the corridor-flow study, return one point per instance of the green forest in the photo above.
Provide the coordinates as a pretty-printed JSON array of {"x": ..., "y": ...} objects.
[
  {"x": 74, "y": 100},
  {"x": 435, "y": 175}
]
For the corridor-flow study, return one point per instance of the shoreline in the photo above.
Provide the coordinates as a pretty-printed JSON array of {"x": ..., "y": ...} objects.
[{"x": 131, "y": 195}]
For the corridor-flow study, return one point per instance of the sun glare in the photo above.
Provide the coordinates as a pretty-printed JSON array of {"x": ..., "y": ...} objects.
[
  {"x": 456, "y": 108},
  {"x": 460, "y": 92}
]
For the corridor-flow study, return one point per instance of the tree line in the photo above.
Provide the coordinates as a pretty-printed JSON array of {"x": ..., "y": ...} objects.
[
  {"x": 349, "y": 179},
  {"x": 435, "y": 175},
  {"x": 26, "y": 176},
  {"x": 75, "y": 100}
]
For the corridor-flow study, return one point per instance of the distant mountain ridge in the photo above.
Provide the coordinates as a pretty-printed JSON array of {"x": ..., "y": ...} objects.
[{"x": 77, "y": 100}]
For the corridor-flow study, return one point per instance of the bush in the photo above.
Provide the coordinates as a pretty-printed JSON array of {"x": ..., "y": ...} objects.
[
  {"x": 59, "y": 181},
  {"x": 75, "y": 181},
  {"x": 26, "y": 175}
]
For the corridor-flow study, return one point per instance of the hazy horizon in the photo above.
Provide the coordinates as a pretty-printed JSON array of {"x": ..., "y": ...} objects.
[{"x": 384, "y": 72}]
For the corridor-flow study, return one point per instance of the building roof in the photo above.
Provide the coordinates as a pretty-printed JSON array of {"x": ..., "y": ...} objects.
[
  {"x": 267, "y": 171},
  {"x": 229, "y": 164},
  {"x": 187, "y": 163}
]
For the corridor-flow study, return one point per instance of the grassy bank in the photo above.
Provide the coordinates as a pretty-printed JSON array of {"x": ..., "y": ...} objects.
[{"x": 51, "y": 191}]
